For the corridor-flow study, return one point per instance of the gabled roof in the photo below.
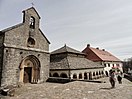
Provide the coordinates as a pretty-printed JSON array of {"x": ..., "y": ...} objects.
[
  {"x": 66, "y": 49},
  {"x": 33, "y": 9},
  {"x": 102, "y": 54},
  {"x": 20, "y": 24}
]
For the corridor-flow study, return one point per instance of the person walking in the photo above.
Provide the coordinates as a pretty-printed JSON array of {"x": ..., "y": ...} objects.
[
  {"x": 119, "y": 76},
  {"x": 112, "y": 78}
]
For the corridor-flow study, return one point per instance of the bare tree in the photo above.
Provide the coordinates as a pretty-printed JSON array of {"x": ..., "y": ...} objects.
[{"x": 127, "y": 65}]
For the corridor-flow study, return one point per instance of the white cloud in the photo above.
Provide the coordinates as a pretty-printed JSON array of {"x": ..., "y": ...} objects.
[{"x": 103, "y": 23}]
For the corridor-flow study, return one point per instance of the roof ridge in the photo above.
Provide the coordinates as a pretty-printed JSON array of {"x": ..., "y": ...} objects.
[{"x": 66, "y": 48}]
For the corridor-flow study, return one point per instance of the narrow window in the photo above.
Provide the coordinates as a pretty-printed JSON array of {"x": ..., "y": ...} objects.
[
  {"x": 32, "y": 22},
  {"x": 85, "y": 76}
]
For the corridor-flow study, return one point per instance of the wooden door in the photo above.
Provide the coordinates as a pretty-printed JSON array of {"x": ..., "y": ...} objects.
[{"x": 27, "y": 74}]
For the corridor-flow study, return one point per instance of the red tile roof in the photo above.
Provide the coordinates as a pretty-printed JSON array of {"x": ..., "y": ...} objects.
[{"x": 96, "y": 54}]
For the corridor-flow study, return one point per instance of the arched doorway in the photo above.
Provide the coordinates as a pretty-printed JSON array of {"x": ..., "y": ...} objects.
[
  {"x": 97, "y": 75},
  {"x": 55, "y": 75},
  {"x": 63, "y": 75},
  {"x": 107, "y": 74},
  {"x": 102, "y": 73},
  {"x": 50, "y": 75},
  {"x": 94, "y": 76},
  {"x": 74, "y": 76},
  {"x": 29, "y": 70},
  {"x": 80, "y": 76},
  {"x": 85, "y": 76},
  {"x": 90, "y": 75}
]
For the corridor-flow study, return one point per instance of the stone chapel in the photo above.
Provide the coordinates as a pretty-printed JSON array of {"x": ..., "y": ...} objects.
[{"x": 24, "y": 51}]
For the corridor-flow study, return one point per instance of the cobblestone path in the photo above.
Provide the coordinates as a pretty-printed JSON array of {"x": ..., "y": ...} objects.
[{"x": 75, "y": 90}]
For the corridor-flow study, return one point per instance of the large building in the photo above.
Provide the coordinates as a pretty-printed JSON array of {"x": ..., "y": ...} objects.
[
  {"x": 24, "y": 51},
  {"x": 102, "y": 57},
  {"x": 25, "y": 57},
  {"x": 67, "y": 62}
]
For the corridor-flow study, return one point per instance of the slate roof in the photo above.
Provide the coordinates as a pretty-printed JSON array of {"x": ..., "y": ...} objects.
[
  {"x": 61, "y": 64},
  {"x": 72, "y": 62},
  {"x": 78, "y": 62},
  {"x": 66, "y": 49}
]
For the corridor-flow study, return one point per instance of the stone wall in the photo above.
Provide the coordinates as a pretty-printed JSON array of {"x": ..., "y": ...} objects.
[
  {"x": 19, "y": 36},
  {"x": 58, "y": 80},
  {"x": 12, "y": 60},
  {"x": 16, "y": 48}
]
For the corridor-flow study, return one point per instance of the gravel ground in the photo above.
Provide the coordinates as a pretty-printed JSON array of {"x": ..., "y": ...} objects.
[{"x": 75, "y": 90}]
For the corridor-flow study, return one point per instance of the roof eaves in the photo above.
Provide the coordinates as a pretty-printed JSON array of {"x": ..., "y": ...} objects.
[
  {"x": 44, "y": 36},
  {"x": 12, "y": 27},
  {"x": 56, "y": 53}
]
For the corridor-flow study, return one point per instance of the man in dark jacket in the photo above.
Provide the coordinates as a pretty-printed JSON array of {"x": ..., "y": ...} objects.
[{"x": 112, "y": 77}]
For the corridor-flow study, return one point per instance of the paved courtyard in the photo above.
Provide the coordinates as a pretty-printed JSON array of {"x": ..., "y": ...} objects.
[{"x": 75, "y": 90}]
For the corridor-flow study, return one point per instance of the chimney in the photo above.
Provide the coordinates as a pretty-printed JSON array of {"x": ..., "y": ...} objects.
[
  {"x": 88, "y": 45},
  {"x": 97, "y": 48},
  {"x": 103, "y": 49}
]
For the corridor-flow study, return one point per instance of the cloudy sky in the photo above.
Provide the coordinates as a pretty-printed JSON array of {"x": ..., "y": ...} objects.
[{"x": 106, "y": 24}]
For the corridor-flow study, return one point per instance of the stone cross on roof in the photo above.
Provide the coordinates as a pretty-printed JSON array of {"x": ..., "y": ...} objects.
[{"x": 32, "y": 4}]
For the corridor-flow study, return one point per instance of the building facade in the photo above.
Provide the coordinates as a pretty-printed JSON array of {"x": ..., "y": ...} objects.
[
  {"x": 69, "y": 63},
  {"x": 24, "y": 51},
  {"x": 103, "y": 57}
]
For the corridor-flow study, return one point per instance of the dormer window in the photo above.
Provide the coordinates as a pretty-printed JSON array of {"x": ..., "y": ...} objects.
[
  {"x": 31, "y": 42},
  {"x": 32, "y": 22}
]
